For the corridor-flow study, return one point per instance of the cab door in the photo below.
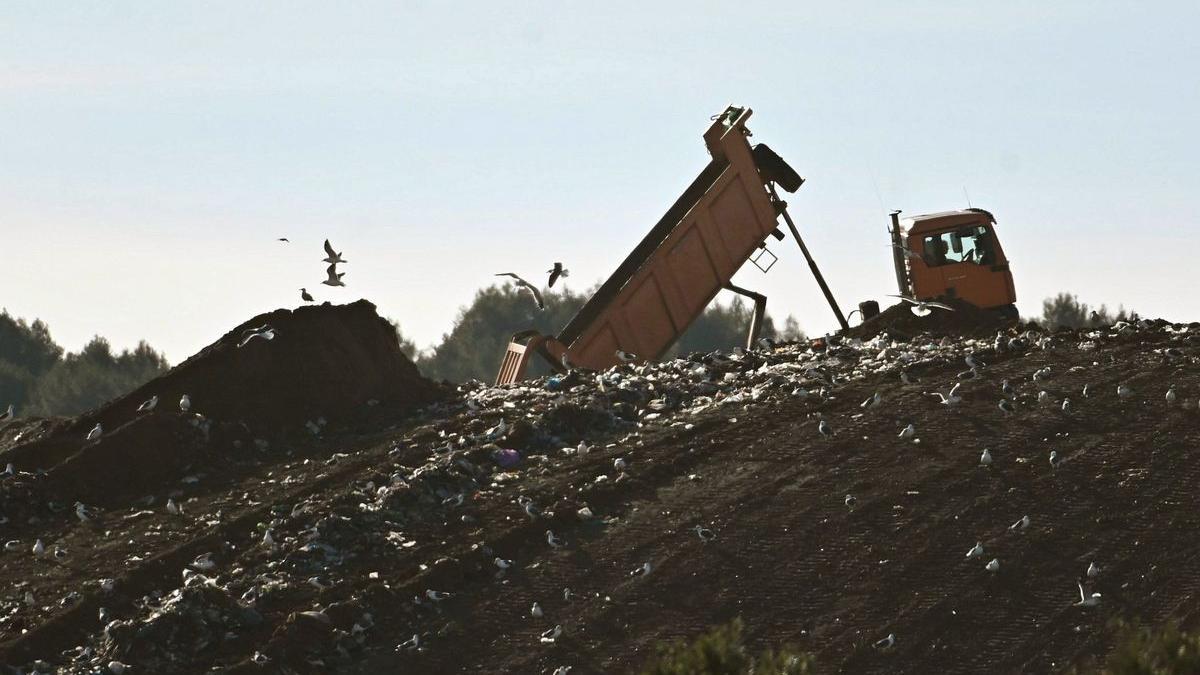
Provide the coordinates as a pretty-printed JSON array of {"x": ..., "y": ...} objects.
[{"x": 972, "y": 266}]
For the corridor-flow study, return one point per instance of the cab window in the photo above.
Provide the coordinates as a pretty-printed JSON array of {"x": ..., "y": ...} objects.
[{"x": 965, "y": 245}]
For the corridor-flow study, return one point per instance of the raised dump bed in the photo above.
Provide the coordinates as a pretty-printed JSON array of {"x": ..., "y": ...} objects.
[{"x": 665, "y": 283}]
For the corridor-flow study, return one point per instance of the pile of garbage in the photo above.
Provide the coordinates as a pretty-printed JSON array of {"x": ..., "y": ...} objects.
[{"x": 303, "y": 584}]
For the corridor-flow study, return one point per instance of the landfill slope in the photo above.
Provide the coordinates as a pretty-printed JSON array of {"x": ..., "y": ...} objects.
[{"x": 318, "y": 555}]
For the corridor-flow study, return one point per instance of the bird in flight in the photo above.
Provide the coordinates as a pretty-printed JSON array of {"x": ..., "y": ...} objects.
[
  {"x": 555, "y": 272},
  {"x": 335, "y": 277},
  {"x": 305, "y": 295},
  {"x": 908, "y": 252},
  {"x": 332, "y": 256},
  {"x": 1086, "y": 600},
  {"x": 283, "y": 239},
  {"x": 265, "y": 332},
  {"x": 525, "y": 285},
  {"x": 922, "y": 307}
]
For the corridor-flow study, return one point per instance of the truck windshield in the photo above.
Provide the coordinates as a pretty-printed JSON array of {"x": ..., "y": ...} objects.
[{"x": 965, "y": 245}]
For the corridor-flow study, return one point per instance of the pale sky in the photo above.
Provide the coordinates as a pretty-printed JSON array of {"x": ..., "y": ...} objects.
[{"x": 152, "y": 152}]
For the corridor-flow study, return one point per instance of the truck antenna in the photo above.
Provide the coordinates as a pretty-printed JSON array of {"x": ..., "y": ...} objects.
[{"x": 967, "y": 196}]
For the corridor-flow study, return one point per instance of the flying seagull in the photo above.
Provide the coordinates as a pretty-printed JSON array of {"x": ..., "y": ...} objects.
[
  {"x": 922, "y": 307},
  {"x": 908, "y": 252},
  {"x": 556, "y": 272},
  {"x": 331, "y": 255},
  {"x": 265, "y": 332},
  {"x": 283, "y": 239},
  {"x": 1086, "y": 600},
  {"x": 335, "y": 277},
  {"x": 521, "y": 283},
  {"x": 305, "y": 296}
]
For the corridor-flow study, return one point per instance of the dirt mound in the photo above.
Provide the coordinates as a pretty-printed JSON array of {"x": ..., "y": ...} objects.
[
  {"x": 326, "y": 361},
  {"x": 965, "y": 320},
  {"x": 327, "y": 364}
]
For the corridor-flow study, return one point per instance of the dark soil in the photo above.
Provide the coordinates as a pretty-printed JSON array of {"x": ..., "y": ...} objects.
[{"x": 790, "y": 558}]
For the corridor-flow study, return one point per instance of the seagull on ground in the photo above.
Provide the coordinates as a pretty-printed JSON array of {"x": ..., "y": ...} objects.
[
  {"x": 1006, "y": 407},
  {"x": 96, "y": 432},
  {"x": 875, "y": 400},
  {"x": 976, "y": 551},
  {"x": 305, "y": 295},
  {"x": 436, "y": 596},
  {"x": 1020, "y": 524},
  {"x": 1171, "y": 396},
  {"x": 1093, "y": 570},
  {"x": 1086, "y": 388},
  {"x": 332, "y": 256},
  {"x": 850, "y": 501},
  {"x": 985, "y": 459},
  {"x": 824, "y": 429},
  {"x": 333, "y": 277},
  {"x": 706, "y": 535},
  {"x": 8, "y": 414},
  {"x": 1066, "y": 406},
  {"x": 626, "y": 357},
  {"x": 993, "y": 565},
  {"x": 886, "y": 642},
  {"x": 552, "y": 634},
  {"x": 619, "y": 464},
  {"x": 411, "y": 644},
  {"x": 1007, "y": 389},
  {"x": 908, "y": 432},
  {"x": 1054, "y": 460},
  {"x": 923, "y": 307},
  {"x": 204, "y": 562},
  {"x": 1124, "y": 391},
  {"x": 526, "y": 286},
  {"x": 553, "y": 540},
  {"x": 185, "y": 403},
  {"x": 502, "y": 563},
  {"x": 85, "y": 514},
  {"x": 1086, "y": 600},
  {"x": 973, "y": 363},
  {"x": 149, "y": 405},
  {"x": 643, "y": 570},
  {"x": 555, "y": 272},
  {"x": 536, "y": 611},
  {"x": 39, "y": 548},
  {"x": 173, "y": 508},
  {"x": 1043, "y": 396},
  {"x": 532, "y": 510}
]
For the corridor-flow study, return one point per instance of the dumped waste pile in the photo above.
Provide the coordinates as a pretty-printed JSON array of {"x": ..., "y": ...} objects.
[{"x": 828, "y": 496}]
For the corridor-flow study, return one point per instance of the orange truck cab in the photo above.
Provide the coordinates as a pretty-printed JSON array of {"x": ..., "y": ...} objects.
[{"x": 953, "y": 254}]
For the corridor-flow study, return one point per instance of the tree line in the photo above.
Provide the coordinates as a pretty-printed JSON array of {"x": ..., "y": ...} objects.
[{"x": 38, "y": 378}]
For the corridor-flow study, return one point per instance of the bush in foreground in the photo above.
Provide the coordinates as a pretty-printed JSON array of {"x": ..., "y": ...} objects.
[
  {"x": 1146, "y": 651},
  {"x": 721, "y": 652}
]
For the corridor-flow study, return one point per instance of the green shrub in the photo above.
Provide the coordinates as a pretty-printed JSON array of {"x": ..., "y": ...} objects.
[
  {"x": 722, "y": 652},
  {"x": 1142, "y": 650}
]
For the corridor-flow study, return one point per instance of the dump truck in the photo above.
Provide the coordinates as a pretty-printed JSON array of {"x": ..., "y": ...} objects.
[{"x": 720, "y": 222}]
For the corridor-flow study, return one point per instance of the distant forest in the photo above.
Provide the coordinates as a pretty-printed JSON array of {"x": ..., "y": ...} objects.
[{"x": 38, "y": 378}]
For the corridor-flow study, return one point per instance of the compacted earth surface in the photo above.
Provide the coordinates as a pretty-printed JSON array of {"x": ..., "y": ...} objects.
[{"x": 322, "y": 508}]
